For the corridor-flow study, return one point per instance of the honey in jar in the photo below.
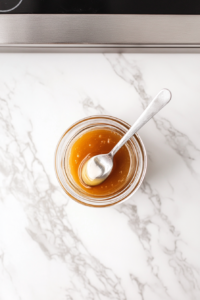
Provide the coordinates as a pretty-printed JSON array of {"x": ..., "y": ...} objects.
[{"x": 101, "y": 141}]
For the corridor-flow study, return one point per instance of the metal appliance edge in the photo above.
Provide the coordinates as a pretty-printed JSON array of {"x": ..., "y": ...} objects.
[{"x": 99, "y": 33}]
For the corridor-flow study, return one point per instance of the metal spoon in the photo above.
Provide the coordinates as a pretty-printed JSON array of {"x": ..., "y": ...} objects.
[{"x": 99, "y": 167}]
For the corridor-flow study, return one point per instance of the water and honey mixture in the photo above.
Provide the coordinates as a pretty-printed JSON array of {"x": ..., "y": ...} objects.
[{"x": 100, "y": 141}]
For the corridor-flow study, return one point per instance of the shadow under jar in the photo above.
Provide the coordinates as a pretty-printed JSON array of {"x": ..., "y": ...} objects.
[{"x": 77, "y": 190}]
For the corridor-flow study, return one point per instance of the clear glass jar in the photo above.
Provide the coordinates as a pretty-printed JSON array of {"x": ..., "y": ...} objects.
[{"x": 135, "y": 147}]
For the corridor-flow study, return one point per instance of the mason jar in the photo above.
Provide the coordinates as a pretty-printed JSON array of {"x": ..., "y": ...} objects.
[{"x": 135, "y": 147}]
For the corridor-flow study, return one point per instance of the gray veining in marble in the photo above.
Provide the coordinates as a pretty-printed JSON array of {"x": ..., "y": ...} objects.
[{"x": 53, "y": 248}]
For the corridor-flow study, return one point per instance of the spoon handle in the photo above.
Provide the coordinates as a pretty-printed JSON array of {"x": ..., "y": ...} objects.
[{"x": 161, "y": 99}]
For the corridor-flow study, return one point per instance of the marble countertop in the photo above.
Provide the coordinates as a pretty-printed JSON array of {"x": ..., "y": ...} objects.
[{"x": 147, "y": 248}]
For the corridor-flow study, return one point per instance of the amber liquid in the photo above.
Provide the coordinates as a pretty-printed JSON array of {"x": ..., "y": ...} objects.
[{"x": 100, "y": 141}]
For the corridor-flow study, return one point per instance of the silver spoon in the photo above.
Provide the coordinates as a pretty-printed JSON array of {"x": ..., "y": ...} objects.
[{"x": 99, "y": 167}]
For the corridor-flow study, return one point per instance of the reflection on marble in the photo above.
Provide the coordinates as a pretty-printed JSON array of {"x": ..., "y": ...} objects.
[{"x": 53, "y": 248}]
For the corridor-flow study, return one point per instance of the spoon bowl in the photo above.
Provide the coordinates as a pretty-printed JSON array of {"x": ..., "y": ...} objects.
[{"x": 97, "y": 169}]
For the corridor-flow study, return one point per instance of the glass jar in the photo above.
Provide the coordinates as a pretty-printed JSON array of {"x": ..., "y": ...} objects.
[{"x": 135, "y": 147}]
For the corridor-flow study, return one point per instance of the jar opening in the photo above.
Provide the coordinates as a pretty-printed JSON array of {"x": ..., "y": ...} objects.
[{"x": 108, "y": 188}]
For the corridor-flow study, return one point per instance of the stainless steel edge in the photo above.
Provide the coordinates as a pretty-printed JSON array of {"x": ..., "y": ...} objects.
[
  {"x": 98, "y": 50},
  {"x": 66, "y": 33}
]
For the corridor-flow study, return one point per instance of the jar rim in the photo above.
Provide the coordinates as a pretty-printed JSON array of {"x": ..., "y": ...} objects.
[{"x": 65, "y": 141}]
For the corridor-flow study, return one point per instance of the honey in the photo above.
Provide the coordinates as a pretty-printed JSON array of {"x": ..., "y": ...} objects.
[{"x": 101, "y": 141}]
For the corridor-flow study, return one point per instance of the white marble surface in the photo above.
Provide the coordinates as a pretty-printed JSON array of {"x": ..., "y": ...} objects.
[{"x": 147, "y": 248}]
